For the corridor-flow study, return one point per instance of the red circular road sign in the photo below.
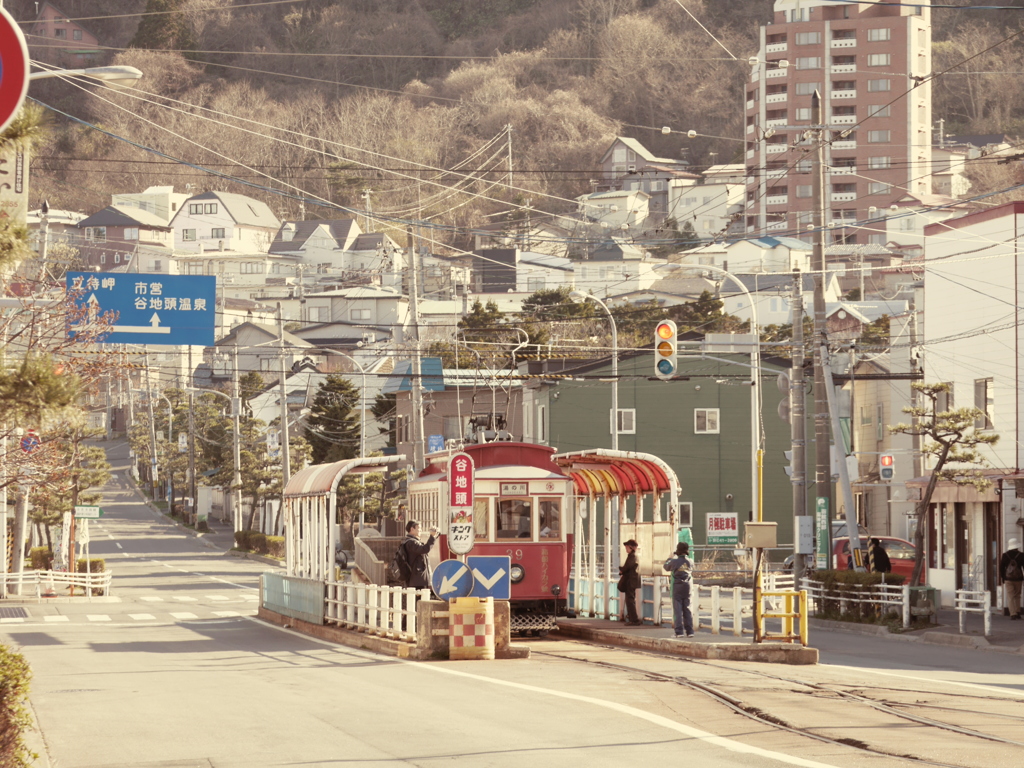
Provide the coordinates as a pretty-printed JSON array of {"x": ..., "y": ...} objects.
[{"x": 13, "y": 68}]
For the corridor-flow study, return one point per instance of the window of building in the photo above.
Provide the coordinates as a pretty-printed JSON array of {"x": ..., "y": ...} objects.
[
  {"x": 217, "y": 232},
  {"x": 805, "y": 217},
  {"x": 944, "y": 400},
  {"x": 797, "y": 14},
  {"x": 880, "y": 422},
  {"x": 515, "y": 518},
  {"x": 878, "y": 137},
  {"x": 806, "y": 89},
  {"x": 865, "y": 416},
  {"x": 808, "y": 38},
  {"x": 194, "y": 208},
  {"x": 985, "y": 401},
  {"x": 879, "y": 162},
  {"x": 453, "y": 428},
  {"x": 195, "y": 268},
  {"x": 808, "y": 62},
  {"x": 103, "y": 258},
  {"x": 657, "y": 186},
  {"x": 844, "y": 188},
  {"x": 804, "y": 166},
  {"x": 117, "y": 258},
  {"x": 210, "y": 208},
  {"x": 188, "y": 235},
  {"x": 844, "y": 61},
  {"x": 881, "y": 110},
  {"x": 874, "y": 86},
  {"x": 844, "y": 34},
  {"x": 99, "y": 234},
  {"x": 131, "y": 233},
  {"x": 803, "y": 113},
  {"x": 706, "y": 261},
  {"x": 844, "y": 110},
  {"x": 879, "y": 188},
  {"x": 60, "y": 34},
  {"x": 251, "y": 267},
  {"x": 627, "y": 421},
  {"x": 705, "y": 421},
  {"x": 156, "y": 265},
  {"x": 804, "y": 190},
  {"x": 76, "y": 34},
  {"x": 876, "y": 238},
  {"x": 908, "y": 223},
  {"x": 844, "y": 214},
  {"x": 844, "y": 85},
  {"x": 879, "y": 35},
  {"x": 534, "y": 284},
  {"x": 360, "y": 314},
  {"x": 879, "y": 60}
]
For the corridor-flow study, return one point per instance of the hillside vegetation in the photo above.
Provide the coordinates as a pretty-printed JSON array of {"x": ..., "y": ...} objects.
[{"x": 324, "y": 99}]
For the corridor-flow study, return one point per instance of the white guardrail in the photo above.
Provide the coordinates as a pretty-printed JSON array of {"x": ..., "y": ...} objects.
[
  {"x": 54, "y": 583},
  {"x": 878, "y": 596},
  {"x": 375, "y": 609},
  {"x": 717, "y": 608},
  {"x": 967, "y": 601}
]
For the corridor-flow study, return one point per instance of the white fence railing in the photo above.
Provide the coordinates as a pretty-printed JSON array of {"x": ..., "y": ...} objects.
[
  {"x": 873, "y": 597},
  {"x": 724, "y": 608},
  {"x": 375, "y": 609},
  {"x": 41, "y": 584},
  {"x": 968, "y": 601}
]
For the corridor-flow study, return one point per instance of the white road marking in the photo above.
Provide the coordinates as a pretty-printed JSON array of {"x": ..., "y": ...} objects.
[
  {"x": 56, "y": 618},
  {"x": 142, "y": 616},
  {"x": 976, "y": 686},
  {"x": 98, "y": 617},
  {"x": 225, "y": 614},
  {"x": 220, "y": 598},
  {"x": 118, "y": 545},
  {"x": 18, "y": 620},
  {"x": 184, "y": 615},
  {"x": 185, "y": 599},
  {"x": 152, "y": 599}
]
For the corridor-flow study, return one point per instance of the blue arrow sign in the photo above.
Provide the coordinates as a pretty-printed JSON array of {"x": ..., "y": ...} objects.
[
  {"x": 167, "y": 310},
  {"x": 452, "y": 579},
  {"x": 492, "y": 576}
]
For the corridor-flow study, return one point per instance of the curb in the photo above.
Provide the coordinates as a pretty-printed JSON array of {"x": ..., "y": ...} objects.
[
  {"x": 253, "y": 556},
  {"x": 932, "y": 636}
]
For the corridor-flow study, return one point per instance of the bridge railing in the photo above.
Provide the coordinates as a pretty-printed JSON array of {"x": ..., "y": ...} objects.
[
  {"x": 42, "y": 584},
  {"x": 375, "y": 609}
]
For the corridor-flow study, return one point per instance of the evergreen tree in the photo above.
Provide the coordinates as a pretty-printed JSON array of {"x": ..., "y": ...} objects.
[{"x": 333, "y": 424}]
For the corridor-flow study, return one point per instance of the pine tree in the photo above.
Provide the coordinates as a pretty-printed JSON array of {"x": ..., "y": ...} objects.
[{"x": 333, "y": 424}]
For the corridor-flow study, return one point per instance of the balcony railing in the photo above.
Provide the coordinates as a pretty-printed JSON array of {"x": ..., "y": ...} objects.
[
  {"x": 776, "y": 122},
  {"x": 839, "y": 69},
  {"x": 843, "y": 170},
  {"x": 847, "y": 144},
  {"x": 775, "y": 48},
  {"x": 774, "y": 73},
  {"x": 843, "y": 119},
  {"x": 845, "y": 94},
  {"x": 777, "y": 199},
  {"x": 750, "y": 103},
  {"x": 844, "y": 43},
  {"x": 843, "y": 197},
  {"x": 774, "y": 225},
  {"x": 773, "y": 149},
  {"x": 775, "y": 98}
]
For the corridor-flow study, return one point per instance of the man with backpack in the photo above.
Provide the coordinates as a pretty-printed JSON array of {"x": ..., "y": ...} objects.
[
  {"x": 410, "y": 563},
  {"x": 1011, "y": 575},
  {"x": 680, "y": 566}
]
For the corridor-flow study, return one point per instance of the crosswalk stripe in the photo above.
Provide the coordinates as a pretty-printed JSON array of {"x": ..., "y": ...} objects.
[
  {"x": 56, "y": 618},
  {"x": 218, "y": 597},
  {"x": 17, "y": 620},
  {"x": 185, "y": 599},
  {"x": 151, "y": 599},
  {"x": 184, "y": 615},
  {"x": 226, "y": 614}
]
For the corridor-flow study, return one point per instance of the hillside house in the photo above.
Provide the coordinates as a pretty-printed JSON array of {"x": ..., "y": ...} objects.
[{"x": 224, "y": 221}]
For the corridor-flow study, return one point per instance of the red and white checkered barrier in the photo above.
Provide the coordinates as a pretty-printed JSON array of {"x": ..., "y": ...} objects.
[{"x": 471, "y": 628}]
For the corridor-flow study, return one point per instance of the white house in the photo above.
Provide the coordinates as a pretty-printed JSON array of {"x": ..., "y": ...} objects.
[
  {"x": 710, "y": 208},
  {"x": 539, "y": 272},
  {"x": 973, "y": 337},
  {"x": 758, "y": 256},
  {"x": 771, "y": 294},
  {"x": 224, "y": 221},
  {"x": 340, "y": 250},
  {"x": 162, "y": 202},
  {"x": 907, "y": 218},
  {"x": 615, "y": 210}
]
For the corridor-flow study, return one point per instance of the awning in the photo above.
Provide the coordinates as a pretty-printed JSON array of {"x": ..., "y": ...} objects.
[
  {"x": 603, "y": 472},
  {"x": 323, "y": 479}
]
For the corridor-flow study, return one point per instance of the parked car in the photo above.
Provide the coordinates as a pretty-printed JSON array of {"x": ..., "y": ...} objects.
[{"x": 901, "y": 554}]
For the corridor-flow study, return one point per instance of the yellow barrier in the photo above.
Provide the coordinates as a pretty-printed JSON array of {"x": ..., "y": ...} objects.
[
  {"x": 788, "y": 615},
  {"x": 471, "y": 628}
]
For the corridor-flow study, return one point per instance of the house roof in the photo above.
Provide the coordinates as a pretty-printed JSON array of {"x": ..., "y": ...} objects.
[
  {"x": 431, "y": 372},
  {"x": 613, "y": 194},
  {"x": 545, "y": 260},
  {"x": 124, "y": 216},
  {"x": 358, "y": 292},
  {"x": 614, "y": 249},
  {"x": 980, "y": 140},
  {"x": 340, "y": 231},
  {"x": 244, "y": 210},
  {"x": 291, "y": 340},
  {"x": 769, "y": 281},
  {"x": 643, "y": 151},
  {"x": 833, "y": 308},
  {"x": 869, "y": 311},
  {"x": 369, "y": 241}
]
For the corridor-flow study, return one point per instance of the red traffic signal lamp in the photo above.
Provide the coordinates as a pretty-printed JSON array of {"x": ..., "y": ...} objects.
[
  {"x": 666, "y": 362},
  {"x": 886, "y": 466}
]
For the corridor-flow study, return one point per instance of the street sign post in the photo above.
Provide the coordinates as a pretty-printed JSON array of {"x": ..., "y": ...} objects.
[
  {"x": 435, "y": 443},
  {"x": 452, "y": 578},
  {"x": 13, "y": 68},
  {"x": 88, "y": 513},
  {"x": 171, "y": 310},
  {"x": 492, "y": 576},
  {"x": 461, "y": 534},
  {"x": 723, "y": 528},
  {"x": 30, "y": 442}
]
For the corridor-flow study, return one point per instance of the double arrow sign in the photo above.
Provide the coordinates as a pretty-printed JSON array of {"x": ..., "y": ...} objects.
[
  {"x": 448, "y": 584},
  {"x": 478, "y": 577}
]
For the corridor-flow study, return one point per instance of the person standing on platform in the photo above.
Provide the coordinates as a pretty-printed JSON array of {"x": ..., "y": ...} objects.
[
  {"x": 629, "y": 583},
  {"x": 681, "y": 566}
]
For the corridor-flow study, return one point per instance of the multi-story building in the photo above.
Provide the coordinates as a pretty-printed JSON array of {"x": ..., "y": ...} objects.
[{"x": 867, "y": 62}]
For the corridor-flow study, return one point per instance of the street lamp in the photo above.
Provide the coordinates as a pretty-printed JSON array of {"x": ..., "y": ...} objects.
[
  {"x": 115, "y": 76},
  {"x": 580, "y": 296}
]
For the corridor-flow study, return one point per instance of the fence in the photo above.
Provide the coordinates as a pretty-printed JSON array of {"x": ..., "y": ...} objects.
[
  {"x": 858, "y": 601},
  {"x": 372, "y": 608},
  {"x": 970, "y": 601},
  {"x": 53, "y": 583},
  {"x": 717, "y": 608},
  {"x": 374, "y": 555}
]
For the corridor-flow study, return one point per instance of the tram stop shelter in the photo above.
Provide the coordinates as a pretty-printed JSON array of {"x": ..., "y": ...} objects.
[{"x": 620, "y": 495}]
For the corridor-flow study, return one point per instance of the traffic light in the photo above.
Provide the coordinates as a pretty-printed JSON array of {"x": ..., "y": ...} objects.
[
  {"x": 885, "y": 466},
  {"x": 666, "y": 363}
]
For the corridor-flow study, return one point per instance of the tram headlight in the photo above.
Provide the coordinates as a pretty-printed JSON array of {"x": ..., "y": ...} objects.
[
  {"x": 517, "y": 573},
  {"x": 556, "y": 589}
]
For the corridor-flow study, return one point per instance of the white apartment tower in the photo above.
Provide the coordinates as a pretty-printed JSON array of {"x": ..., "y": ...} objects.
[{"x": 863, "y": 59}]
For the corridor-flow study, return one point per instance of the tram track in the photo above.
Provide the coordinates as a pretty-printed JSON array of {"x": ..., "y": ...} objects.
[{"x": 760, "y": 715}]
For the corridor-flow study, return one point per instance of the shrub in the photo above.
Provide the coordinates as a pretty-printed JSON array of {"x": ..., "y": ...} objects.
[
  {"x": 275, "y": 546},
  {"x": 14, "y": 718},
  {"x": 836, "y": 583},
  {"x": 242, "y": 540},
  {"x": 95, "y": 565},
  {"x": 258, "y": 543},
  {"x": 40, "y": 558}
]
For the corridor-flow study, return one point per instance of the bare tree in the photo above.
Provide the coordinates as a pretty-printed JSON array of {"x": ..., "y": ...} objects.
[{"x": 952, "y": 438}]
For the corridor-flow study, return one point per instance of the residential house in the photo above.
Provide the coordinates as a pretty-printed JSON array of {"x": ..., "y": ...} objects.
[
  {"x": 629, "y": 165},
  {"x": 509, "y": 270},
  {"x": 846, "y": 321},
  {"x": 948, "y": 177},
  {"x": 616, "y": 266},
  {"x": 162, "y": 202},
  {"x": 257, "y": 347},
  {"x": 617, "y": 210},
  {"x": 713, "y": 207},
  {"x": 909, "y": 215},
  {"x": 771, "y": 294},
  {"x": 972, "y": 340},
  {"x": 537, "y": 234},
  {"x": 224, "y": 221},
  {"x": 56, "y": 39},
  {"x": 859, "y": 266},
  {"x": 121, "y": 239},
  {"x": 60, "y": 228},
  {"x": 755, "y": 256}
]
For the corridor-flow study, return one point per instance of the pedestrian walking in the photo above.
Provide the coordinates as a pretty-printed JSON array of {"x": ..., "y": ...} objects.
[
  {"x": 629, "y": 583},
  {"x": 878, "y": 558},
  {"x": 1011, "y": 576},
  {"x": 681, "y": 567}
]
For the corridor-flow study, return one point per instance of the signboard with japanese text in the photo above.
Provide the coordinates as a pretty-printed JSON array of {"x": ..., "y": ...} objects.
[
  {"x": 824, "y": 543},
  {"x": 14, "y": 186},
  {"x": 723, "y": 528},
  {"x": 460, "y": 503},
  {"x": 173, "y": 310},
  {"x": 514, "y": 489}
]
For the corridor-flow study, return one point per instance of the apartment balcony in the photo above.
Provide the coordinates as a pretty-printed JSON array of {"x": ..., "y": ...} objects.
[
  {"x": 770, "y": 73},
  {"x": 750, "y": 129},
  {"x": 775, "y": 98},
  {"x": 775, "y": 48},
  {"x": 843, "y": 69},
  {"x": 844, "y": 43},
  {"x": 750, "y": 104},
  {"x": 776, "y": 225},
  {"x": 842, "y": 120},
  {"x": 779, "y": 174},
  {"x": 844, "y": 145},
  {"x": 750, "y": 154},
  {"x": 844, "y": 170},
  {"x": 777, "y": 200},
  {"x": 776, "y": 122},
  {"x": 842, "y": 197},
  {"x": 848, "y": 94},
  {"x": 773, "y": 149}
]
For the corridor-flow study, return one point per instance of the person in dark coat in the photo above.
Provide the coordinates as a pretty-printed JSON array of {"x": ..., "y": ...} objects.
[
  {"x": 1011, "y": 576},
  {"x": 629, "y": 583},
  {"x": 878, "y": 558},
  {"x": 416, "y": 554},
  {"x": 681, "y": 566}
]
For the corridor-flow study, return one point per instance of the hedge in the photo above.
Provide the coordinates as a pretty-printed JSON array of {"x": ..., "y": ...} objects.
[
  {"x": 41, "y": 559},
  {"x": 254, "y": 541},
  {"x": 14, "y": 717}
]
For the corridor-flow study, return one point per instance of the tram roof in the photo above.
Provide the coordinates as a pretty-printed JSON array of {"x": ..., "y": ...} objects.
[
  {"x": 323, "y": 479},
  {"x": 603, "y": 472}
]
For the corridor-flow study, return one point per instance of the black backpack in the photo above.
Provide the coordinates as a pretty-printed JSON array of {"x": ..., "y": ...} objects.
[
  {"x": 399, "y": 569},
  {"x": 1013, "y": 569}
]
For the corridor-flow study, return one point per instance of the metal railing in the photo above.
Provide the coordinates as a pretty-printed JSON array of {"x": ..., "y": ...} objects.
[
  {"x": 853, "y": 600},
  {"x": 54, "y": 583},
  {"x": 973, "y": 601},
  {"x": 374, "y": 555},
  {"x": 375, "y": 609}
]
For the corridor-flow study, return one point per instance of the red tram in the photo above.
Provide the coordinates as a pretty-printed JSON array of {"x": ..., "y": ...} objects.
[{"x": 522, "y": 509}]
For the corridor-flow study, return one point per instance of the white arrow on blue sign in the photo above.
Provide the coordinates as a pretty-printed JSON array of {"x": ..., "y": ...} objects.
[
  {"x": 452, "y": 579},
  {"x": 492, "y": 576}
]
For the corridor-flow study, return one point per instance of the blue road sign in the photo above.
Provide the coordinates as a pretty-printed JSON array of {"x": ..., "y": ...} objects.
[
  {"x": 435, "y": 443},
  {"x": 492, "y": 576},
  {"x": 170, "y": 310},
  {"x": 452, "y": 579}
]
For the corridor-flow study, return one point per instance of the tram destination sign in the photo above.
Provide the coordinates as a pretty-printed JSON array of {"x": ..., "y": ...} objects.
[{"x": 460, "y": 503}]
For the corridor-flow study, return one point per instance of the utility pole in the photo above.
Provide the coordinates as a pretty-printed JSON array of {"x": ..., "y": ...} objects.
[
  {"x": 286, "y": 467},
  {"x": 798, "y": 438},
  {"x": 191, "y": 436},
  {"x": 823, "y": 457},
  {"x": 236, "y": 448},
  {"x": 417, "y": 369},
  {"x": 152, "y": 432}
]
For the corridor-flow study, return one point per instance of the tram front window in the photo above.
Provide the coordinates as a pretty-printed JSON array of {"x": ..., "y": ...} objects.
[
  {"x": 550, "y": 519},
  {"x": 514, "y": 519}
]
